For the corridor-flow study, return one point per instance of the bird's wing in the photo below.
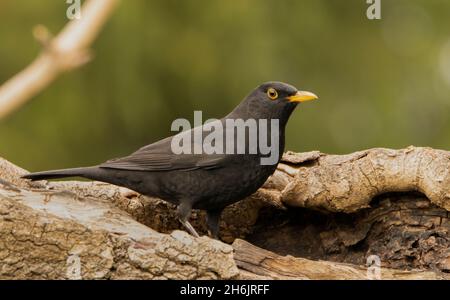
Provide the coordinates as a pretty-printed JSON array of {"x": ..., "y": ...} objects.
[
  {"x": 160, "y": 157},
  {"x": 147, "y": 161}
]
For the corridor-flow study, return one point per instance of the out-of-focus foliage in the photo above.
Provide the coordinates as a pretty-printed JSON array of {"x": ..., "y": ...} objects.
[{"x": 381, "y": 83}]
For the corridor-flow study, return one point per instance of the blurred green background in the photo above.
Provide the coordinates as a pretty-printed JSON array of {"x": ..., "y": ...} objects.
[{"x": 382, "y": 83}]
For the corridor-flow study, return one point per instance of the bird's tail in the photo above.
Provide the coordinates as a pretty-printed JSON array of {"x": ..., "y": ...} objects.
[{"x": 75, "y": 172}]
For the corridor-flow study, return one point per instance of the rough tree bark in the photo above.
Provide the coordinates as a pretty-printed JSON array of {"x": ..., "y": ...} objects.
[{"x": 76, "y": 229}]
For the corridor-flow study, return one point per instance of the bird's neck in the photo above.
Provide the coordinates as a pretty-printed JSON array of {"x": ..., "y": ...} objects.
[{"x": 245, "y": 112}]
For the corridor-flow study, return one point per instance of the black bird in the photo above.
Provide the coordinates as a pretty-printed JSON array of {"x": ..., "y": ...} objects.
[{"x": 203, "y": 181}]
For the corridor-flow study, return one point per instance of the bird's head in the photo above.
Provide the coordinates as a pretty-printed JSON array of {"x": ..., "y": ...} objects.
[{"x": 273, "y": 100}]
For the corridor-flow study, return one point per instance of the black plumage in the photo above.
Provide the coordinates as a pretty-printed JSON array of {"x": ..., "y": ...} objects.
[{"x": 202, "y": 181}]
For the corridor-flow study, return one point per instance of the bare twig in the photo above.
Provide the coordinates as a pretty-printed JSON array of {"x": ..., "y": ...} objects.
[{"x": 65, "y": 52}]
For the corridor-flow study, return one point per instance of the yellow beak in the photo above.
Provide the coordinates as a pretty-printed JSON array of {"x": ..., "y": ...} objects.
[{"x": 302, "y": 96}]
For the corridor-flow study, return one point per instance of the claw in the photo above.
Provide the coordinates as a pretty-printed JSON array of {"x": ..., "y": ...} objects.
[{"x": 189, "y": 227}]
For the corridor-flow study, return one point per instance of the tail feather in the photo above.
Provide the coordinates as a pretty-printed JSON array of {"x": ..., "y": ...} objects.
[{"x": 75, "y": 172}]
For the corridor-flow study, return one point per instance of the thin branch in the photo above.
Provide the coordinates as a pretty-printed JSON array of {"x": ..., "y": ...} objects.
[{"x": 65, "y": 52}]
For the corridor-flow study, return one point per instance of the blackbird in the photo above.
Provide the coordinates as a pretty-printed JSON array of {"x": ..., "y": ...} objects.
[{"x": 200, "y": 180}]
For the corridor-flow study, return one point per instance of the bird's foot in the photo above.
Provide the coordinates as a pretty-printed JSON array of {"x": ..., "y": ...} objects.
[
  {"x": 212, "y": 220},
  {"x": 213, "y": 235},
  {"x": 189, "y": 227}
]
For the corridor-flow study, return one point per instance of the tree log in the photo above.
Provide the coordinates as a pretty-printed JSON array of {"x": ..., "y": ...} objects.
[
  {"x": 258, "y": 263},
  {"x": 47, "y": 234},
  {"x": 82, "y": 230},
  {"x": 347, "y": 183}
]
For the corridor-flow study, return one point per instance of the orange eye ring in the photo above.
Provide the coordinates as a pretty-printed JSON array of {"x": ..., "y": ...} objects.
[{"x": 272, "y": 93}]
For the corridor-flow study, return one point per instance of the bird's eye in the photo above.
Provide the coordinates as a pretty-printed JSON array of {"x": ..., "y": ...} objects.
[{"x": 272, "y": 93}]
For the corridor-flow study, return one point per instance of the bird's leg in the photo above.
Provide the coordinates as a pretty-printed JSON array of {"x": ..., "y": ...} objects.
[
  {"x": 212, "y": 220},
  {"x": 184, "y": 212}
]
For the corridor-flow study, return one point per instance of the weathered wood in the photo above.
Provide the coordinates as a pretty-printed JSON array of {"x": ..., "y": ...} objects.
[
  {"x": 46, "y": 227},
  {"x": 255, "y": 262},
  {"x": 59, "y": 234},
  {"x": 347, "y": 183},
  {"x": 404, "y": 230}
]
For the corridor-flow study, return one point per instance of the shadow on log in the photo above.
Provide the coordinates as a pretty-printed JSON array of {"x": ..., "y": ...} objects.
[
  {"x": 405, "y": 230},
  {"x": 316, "y": 206}
]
